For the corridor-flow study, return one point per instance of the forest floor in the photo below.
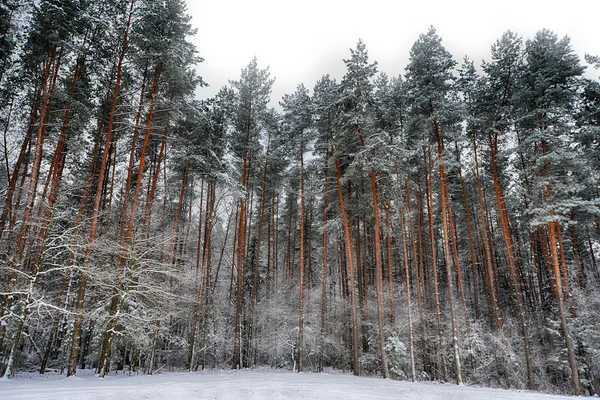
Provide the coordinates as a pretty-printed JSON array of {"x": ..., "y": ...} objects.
[{"x": 246, "y": 384}]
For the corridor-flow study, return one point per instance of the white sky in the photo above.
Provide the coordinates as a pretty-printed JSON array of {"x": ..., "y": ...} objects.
[{"x": 302, "y": 40}]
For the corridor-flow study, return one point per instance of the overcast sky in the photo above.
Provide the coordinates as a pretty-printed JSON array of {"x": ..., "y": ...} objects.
[{"x": 302, "y": 40}]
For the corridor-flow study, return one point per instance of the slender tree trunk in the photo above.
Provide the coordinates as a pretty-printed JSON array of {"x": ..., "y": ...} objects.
[
  {"x": 565, "y": 270},
  {"x": 471, "y": 245},
  {"x": 152, "y": 191},
  {"x": 446, "y": 211},
  {"x": 301, "y": 267},
  {"x": 241, "y": 261},
  {"x": 324, "y": 280},
  {"x": 251, "y": 327},
  {"x": 276, "y": 240},
  {"x": 552, "y": 232},
  {"x": 417, "y": 267},
  {"x": 408, "y": 296},
  {"x": 379, "y": 278},
  {"x": 5, "y": 141},
  {"x": 234, "y": 250},
  {"x": 508, "y": 241},
  {"x": 106, "y": 348},
  {"x": 309, "y": 273},
  {"x": 389, "y": 260},
  {"x": 350, "y": 259},
  {"x": 199, "y": 285},
  {"x": 461, "y": 288},
  {"x": 429, "y": 194},
  {"x": 493, "y": 301},
  {"x": 581, "y": 274},
  {"x": 561, "y": 307},
  {"x": 378, "y": 268},
  {"x": 362, "y": 278},
  {"x": 271, "y": 262},
  {"x": 207, "y": 261}
]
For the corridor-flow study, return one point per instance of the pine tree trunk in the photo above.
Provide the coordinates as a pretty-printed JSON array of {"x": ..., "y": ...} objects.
[
  {"x": 429, "y": 194},
  {"x": 379, "y": 278},
  {"x": 564, "y": 270},
  {"x": 378, "y": 268},
  {"x": 455, "y": 255},
  {"x": 254, "y": 299},
  {"x": 207, "y": 260},
  {"x": 508, "y": 241},
  {"x": 552, "y": 232},
  {"x": 350, "y": 259},
  {"x": 561, "y": 308},
  {"x": 471, "y": 245},
  {"x": 104, "y": 358},
  {"x": 581, "y": 275},
  {"x": 446, "y": 211},
  {"x": 241, "y": 261},
  {"x": 198, "y": 285},
  {"x": 324, "y": 280},
  {"x": 493, "y": 301},
  {"x": 301, "y": 267},
  {"x": 408, "y": 296},
  {"x": 389, "y": 261},
  {"x": 417, "y": 260},
  {"x": 362, "y": 285},
  {"x": 155, "y": 177}
]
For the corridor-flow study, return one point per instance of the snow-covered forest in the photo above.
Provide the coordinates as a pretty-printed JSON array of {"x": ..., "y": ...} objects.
[{"x": 440, "y": 225}]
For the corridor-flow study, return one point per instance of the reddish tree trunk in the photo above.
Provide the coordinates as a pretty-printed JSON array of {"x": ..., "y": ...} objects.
[
  {"x": 378, "y": 268},
  {"x": 350, "y": 260},
  {"x": 438, "y": 309}
]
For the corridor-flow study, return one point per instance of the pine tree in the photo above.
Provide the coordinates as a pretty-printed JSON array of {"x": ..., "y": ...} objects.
[
  {"x": 550, "y": 81},
  {"x": 354, "y": 119},
  {"x": 297, "y": 121},
  {"x": 502, "y": 75},
  {"x": 429, "y": 81},
  {"x": 252, "y": 91}
]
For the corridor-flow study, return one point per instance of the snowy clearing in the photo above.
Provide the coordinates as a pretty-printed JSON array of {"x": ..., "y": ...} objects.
[{"x": 244, "y": 385}]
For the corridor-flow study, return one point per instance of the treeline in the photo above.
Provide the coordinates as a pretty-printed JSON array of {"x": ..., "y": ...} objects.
[{"x": 440, "y": 225}]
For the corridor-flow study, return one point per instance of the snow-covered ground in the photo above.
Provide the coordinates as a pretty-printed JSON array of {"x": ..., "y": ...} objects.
[{"x": 247, "y": 385}]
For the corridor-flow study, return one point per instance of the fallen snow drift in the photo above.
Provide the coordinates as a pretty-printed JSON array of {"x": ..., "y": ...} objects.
[{"x": 263, "y": 385}]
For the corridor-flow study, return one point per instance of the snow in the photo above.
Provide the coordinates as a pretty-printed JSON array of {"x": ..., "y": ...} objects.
[{"x": 246, "y": 384}]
